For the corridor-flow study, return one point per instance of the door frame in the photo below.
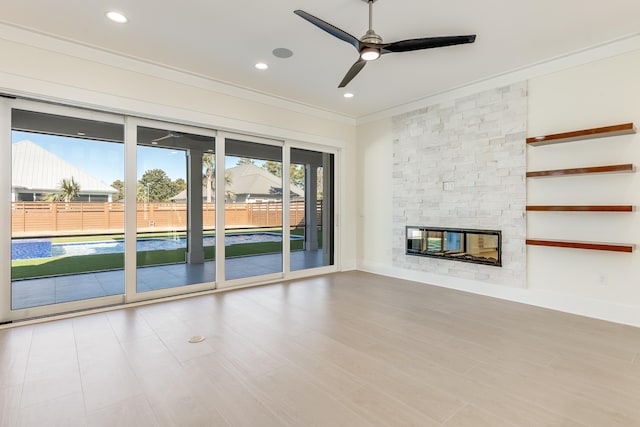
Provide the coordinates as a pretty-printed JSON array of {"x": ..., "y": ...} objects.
[
  {"x": 297, "y": 274},
  {"x": 131, "y": 144},
  {"x": 7, "y": 314},
  {"x": 223, "y": 283}
]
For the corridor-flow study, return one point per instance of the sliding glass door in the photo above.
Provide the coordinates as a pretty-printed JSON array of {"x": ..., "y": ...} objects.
[
  {"x": 67, "y": 209},
  {"x": 107, "y": 209},
  {"x": 175, "y": 218},
  {"x": 253, "y": 207},
  {"x": 311, "y": 211}
]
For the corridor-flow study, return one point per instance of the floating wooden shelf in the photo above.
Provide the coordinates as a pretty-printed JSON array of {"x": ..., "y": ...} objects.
[
  {"x": 583, "y": 208},
  {"x": 613, "y": 247},
  {"x": 582, "y": 171},
  {"x": 622, "y": 129},
  {"x": 601, "y": 132}
]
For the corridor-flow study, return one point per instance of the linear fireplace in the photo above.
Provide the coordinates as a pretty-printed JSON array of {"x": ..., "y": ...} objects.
[{"x": 476, "y": 246}]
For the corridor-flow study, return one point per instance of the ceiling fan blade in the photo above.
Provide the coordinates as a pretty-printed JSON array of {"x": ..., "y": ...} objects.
[
  {"x": 167, "y": 136},
  {"x": 353, "y": 71},
  {"x": 325, "y": 26},
  {"x": 427, "y": 43}
]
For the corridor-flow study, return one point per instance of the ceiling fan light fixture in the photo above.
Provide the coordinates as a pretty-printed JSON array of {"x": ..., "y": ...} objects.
[{"x": 370, "y": 53}]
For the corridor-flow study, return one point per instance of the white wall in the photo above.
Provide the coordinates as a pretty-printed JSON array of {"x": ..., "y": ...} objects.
[
  {"x": 374, "y": 183},
  {"x": 602, "y": 93},
  {"x": 44, "y": 68}
]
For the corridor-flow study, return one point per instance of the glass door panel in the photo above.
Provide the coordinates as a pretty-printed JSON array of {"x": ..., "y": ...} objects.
[
  {"x": 253, "y": 209},
  {"x": 67, "y": 209},
  {"x": 311, "y": 209},
  {"x": 175, "y": 220}
]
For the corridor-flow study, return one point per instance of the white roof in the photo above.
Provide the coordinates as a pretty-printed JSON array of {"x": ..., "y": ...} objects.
[
  {"x": 251, "y": 179},
  {"x": 34, "y": 168}
]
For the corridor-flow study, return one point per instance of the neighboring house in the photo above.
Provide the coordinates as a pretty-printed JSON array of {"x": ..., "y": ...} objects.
[
  {"x": 36, "y": 172},
  {"x": 249, "y": 184}
]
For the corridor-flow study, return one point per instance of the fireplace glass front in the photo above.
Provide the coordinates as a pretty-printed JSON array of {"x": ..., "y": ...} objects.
[{"x": 477, "y": 246}]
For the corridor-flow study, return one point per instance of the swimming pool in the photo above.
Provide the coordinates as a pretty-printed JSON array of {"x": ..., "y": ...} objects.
[{"x": 43, "y": 248}]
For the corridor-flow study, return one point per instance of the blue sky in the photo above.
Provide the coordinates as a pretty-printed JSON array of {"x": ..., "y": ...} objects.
[{"x": 105, "y": 160}]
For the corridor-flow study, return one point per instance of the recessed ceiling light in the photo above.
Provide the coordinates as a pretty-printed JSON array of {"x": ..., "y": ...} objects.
[
  {"x": 117, "y": 17},
  {"x": 154, "y": 142},
  {"x": 80, "y": 133},
  {"x": 348, "y": 95},
  {"x": 261, "y": 66}
]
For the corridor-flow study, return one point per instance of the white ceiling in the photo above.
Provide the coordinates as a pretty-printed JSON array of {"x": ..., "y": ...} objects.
[{"x": 222, "y": 40}]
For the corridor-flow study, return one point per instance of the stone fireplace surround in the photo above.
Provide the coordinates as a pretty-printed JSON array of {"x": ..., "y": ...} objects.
[{"x": 462, "y": 164}]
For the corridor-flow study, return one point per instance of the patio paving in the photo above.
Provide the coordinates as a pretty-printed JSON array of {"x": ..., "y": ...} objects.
[{"x": 53, "y": 290}]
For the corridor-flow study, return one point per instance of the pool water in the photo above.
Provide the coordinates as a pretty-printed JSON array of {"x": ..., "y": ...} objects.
[{"x": 43, "y": 248}]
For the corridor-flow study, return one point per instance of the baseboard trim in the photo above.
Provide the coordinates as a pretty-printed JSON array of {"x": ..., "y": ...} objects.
[{"x": 588, "y": 307}]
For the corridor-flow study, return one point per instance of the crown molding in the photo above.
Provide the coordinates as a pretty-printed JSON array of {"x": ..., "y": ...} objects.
[
  {"x": 95, "y": 54},
  {"x": 609, "y": 49}
]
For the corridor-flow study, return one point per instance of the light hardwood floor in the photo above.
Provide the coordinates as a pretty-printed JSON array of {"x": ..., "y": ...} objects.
[{"x": 348, "y": 349}]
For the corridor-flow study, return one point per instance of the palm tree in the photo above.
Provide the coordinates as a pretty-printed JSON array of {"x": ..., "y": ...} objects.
[
  {"x": 210, "y": 176},
  {"x": 68, "y": 189}
]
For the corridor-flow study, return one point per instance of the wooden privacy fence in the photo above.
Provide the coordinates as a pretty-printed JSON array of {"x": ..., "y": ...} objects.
[{"x": 33, "y": 218}]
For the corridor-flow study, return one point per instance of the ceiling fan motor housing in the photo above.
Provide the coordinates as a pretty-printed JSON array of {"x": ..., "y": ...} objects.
[{"x": 371, "y": 37}]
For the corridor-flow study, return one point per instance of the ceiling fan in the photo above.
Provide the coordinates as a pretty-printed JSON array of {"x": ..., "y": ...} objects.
[
  {"x": 170, "y": 134},
  {"x": 370, "y": 46}
]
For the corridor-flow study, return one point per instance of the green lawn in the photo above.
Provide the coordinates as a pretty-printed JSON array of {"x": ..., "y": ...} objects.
[{"x": 45, "y": 267}]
